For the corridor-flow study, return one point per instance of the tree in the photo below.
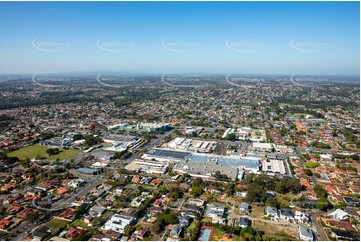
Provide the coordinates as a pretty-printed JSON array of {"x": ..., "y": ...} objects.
[
  {"x": 46, "y": 135},
  {"x": 196, "y": 190},
  {"x": 256, "y": 193},
  {"x": 273, "y": 202},
  {"x": 198, "y": 181},
  {"x": 231, "y": 137},
  {"x": 53, "y": 151},
  {"x": 80, "y": 210},
  {"x": 92, "y": 140},
  {"x": 311, "y": 164},
  {"x": 320, "y": 191},
  {"x": 323, "y": 204},
  {"x": 77, "y": 137},
  {"x": 167, "y": 217},
  {"x": 308, "y": 172}
]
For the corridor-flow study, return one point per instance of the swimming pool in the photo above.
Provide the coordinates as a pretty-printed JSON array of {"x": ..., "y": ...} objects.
[{"x": 205, "y": 235}]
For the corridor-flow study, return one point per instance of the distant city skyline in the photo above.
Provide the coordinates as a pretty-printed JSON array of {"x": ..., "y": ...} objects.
[{"x": 265, "y": 38}]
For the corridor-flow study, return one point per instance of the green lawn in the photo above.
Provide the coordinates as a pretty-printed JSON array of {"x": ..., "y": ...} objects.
[
  {"x": 79, "y": 223},
  {"x": 107, "y": 214},
  {"x": 57, "y": 223},
  {"x": 192, "y": 225},
  {"x": 32, "y": 151}
]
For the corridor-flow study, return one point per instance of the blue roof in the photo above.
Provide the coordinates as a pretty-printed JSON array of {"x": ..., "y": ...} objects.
[
  {"x": 225, "y": 161},
  {"x": 87, "y": 170}
]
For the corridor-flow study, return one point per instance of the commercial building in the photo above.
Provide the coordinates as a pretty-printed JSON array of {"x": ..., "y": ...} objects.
[
  {"x": 57, "y": 142},
  {"x": 148, "y": 166},
  {"x": 193, "y": 145},
  {"x": 120, "y": 143},
  {"x": 246, "y": 133},
  {"x": 274, "y": 166},
  {"x": 88, "y": 171},
  {"x": 146, "y": 127},
  {"x": 166, "y": 155},
  {"x": 205, "y": 170}
]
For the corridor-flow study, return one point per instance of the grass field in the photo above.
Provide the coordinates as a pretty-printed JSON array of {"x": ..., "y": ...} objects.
[
  {"x": 278, "y": 231},
  {"x": 257, "y": 212},
  {"x": 32, "y": 151}
]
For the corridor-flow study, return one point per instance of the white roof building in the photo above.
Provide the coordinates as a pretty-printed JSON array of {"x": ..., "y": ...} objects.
[
  {"x": 118, "y": 222},
  {"x": 339, "y": 214}
]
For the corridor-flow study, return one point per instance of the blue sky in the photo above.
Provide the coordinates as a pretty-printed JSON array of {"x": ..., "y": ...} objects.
[{"x": 178, "y": 37}]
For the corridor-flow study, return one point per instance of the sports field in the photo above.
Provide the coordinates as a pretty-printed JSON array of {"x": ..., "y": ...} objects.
[{"x": 32, "y": 151}]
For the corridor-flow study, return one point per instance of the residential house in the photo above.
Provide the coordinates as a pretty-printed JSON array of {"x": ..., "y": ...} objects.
[
  {"x": 8, "y": 187},
  {"x": 343, "y": 235},
  {"x": 44, "y": 186},
  {"x": 196, "y": 202},
  {"x": 305, "y": 233},
  {"x": 136, "y": 179},
  {"x": 216, "y": 212},
  {"x": 68, "y": 213},
  {"x": 339, "y": 214},
  {"x": 139, "y": 235},
  {"x": 13, "y": 209},
  {"x": 34, "y": 192},
  {"x": 286, "y": 214},
  {"x": 344, "y": 225},
  {"x": 96, "y": 211},
  {"x": 76, "y": 183},
  {"x": 158, "y": 203},
  {"x": 354, "y": 189},
  {"x": 136, "y": 202},
  {"x": 191, "y": 207},
  {"x": 351, "y": 202},
  {"x": 41, "y": 233},
  {"x": 175, "y": 231},
  {"x": 271, "y": 212},
  {"x": 212, "y": 189},
  {"x": 185, "y": 221},
  {"x": 73, "y": 232},
  {"x": 156, "y": 182},
  {"x": 62, "y": 190},
  {"x": 242, "y": 222},
  {"x": 24, "y": 213},
  {"x": 301, "y": 217},
  {"x": 4, "y": 224},
  {"x": 244, "y": 208}
]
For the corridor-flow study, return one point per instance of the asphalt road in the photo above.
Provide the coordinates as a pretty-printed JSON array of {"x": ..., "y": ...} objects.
[{"x": 320, "y": 231}]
